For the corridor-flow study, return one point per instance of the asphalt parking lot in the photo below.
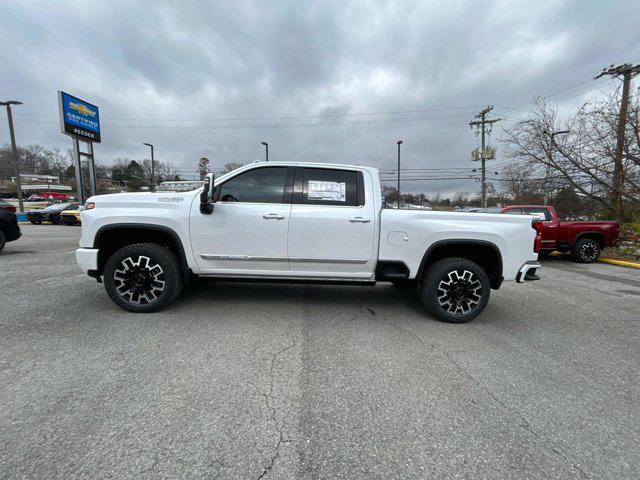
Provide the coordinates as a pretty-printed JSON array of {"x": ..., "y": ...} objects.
[{"x": 269, "y": 381}]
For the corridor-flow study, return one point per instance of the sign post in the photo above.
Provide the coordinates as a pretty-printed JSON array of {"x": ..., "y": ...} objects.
[{"x": 81, "y": 121}]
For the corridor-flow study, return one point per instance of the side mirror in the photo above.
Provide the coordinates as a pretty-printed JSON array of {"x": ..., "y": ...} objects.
[{"x": 206, "y": 197}]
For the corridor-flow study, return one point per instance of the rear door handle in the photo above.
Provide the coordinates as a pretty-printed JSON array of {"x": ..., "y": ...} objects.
[
  {"x": 273, "y": 216},
  {"x": 359, "y": 220}
]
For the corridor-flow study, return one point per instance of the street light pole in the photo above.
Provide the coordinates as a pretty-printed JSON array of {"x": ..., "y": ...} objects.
[
  {"x": 14, "y": 149},
  {"x": 266, "y": 147},
  {"x": 399, "y": 143},
  {"x": 153, "y": 172}
]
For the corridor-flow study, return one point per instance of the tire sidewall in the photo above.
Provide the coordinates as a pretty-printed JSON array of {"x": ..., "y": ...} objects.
[
  {"x": 3, "y": 240},
  {"x": 163, "y": 257},
  {"x": 578, "y": 250},
  {"x": 436, "y": 272}
]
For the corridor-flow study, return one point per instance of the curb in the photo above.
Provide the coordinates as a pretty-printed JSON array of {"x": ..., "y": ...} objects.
[{"x": 621, "y": 263}]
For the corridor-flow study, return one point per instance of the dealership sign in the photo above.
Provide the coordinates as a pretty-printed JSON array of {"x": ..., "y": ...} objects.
[{"x": 78, "y": 118}]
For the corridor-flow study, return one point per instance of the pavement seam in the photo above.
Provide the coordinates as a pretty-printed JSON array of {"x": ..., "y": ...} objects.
[{"x": 267, "y": 398}]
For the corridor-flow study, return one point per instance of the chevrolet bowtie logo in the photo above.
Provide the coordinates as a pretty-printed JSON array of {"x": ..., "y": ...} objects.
[{"x": 82, "y": 109}]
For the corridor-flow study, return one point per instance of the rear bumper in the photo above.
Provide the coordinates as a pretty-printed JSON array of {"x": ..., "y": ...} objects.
[
  {"x": 13, "y": 234},
  {"x": 527, "y": 272},
  {"x": 87, "y": 259}
]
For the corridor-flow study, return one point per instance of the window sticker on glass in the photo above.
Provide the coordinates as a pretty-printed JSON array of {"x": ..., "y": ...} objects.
[{"x": 332, "y": 191}]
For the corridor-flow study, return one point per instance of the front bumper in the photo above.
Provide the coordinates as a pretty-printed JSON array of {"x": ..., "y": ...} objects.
[
  {"x": 70, "y": 217},
  {"x": 527, "y": 272},
  {"x": 87, "y": 259}
]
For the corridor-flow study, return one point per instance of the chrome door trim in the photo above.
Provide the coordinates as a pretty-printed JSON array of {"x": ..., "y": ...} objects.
[
  {"x": 247, "y": 258},
  {"x": 353, "y": 261}
]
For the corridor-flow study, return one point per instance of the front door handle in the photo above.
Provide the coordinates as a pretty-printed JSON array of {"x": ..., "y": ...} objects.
[
  {"x": 359, "y": 220},
  {"x": 273, "y": 216}
]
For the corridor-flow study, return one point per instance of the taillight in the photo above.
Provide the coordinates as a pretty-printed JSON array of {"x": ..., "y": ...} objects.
[{"x": 537, "y": 225}]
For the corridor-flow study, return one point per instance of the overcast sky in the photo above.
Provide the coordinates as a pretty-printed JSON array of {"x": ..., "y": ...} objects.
[{"x": 320, "y": 81}]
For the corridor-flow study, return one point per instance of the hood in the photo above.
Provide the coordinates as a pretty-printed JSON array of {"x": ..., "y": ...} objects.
[{"x": 143, "y": 199}]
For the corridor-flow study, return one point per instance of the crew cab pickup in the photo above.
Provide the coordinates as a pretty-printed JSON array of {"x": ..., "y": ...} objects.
[
  {"x": 300, "y": 222},
  {"x": 585, "y": 240}
]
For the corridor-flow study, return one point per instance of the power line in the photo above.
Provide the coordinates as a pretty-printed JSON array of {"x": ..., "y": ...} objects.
[
  {"x": 264, "y": 126},
  {"x": 273, "y": 117}
]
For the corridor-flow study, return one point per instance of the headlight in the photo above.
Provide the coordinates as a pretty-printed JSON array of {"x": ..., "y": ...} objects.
[{"x": 89, "y": 206}]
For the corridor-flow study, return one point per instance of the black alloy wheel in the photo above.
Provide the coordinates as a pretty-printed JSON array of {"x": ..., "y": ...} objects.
[
  {"x": 143, "y": 277},
  {"x": 455, "y": 290},
  {"x": 586, "y": 250}
]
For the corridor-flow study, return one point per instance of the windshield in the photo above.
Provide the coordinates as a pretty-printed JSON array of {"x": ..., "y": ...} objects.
[{"x": 60, "y": 206}]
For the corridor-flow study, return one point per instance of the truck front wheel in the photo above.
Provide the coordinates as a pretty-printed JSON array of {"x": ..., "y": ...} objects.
[
  {"x": 455, "y": 290},
  {"x": 143, "y": 277},
  {"x": 586, "y": 250}
]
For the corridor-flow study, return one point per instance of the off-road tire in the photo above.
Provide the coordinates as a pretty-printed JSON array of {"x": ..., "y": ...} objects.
[
  {"x": 157, "y": 255},
  {"x": 586, "y": 250},
  {"x": 462, "y": 274}
]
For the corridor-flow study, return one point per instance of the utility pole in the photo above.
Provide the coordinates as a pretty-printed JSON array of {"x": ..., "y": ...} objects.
[
  {"x": 153, "y": 171},
  {"x": 627, "y": 71},
  {"x": 399, "y": 143},
  {"x": 481, "y": 124},
  {"x": 14, "y": 149}
]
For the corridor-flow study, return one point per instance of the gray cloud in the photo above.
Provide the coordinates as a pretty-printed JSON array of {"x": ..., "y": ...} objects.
[{"x": 168, "y": 72}]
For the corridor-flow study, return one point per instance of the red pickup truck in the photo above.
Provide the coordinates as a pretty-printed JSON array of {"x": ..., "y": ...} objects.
[{"x": 585, "y": 240}]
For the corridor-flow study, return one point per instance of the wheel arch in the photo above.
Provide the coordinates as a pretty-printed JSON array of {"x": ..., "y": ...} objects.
[
  {"x": 110, "y": 238},
  {"x": 594, "y": 235},
  {"x": 485, "y": 253}
]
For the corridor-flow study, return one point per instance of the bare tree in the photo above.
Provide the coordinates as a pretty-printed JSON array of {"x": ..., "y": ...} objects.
[
  {"x": 167, "y": 171},
  {"x": 576, "y": 153},
  {"x": 230, "y": 167}
]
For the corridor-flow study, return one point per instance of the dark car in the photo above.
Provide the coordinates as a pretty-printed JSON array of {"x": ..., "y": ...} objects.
[
  {"x": 9, "y": 229},
  {"x": 51, "y": 213},
  {"x": 7, "y": 206}
]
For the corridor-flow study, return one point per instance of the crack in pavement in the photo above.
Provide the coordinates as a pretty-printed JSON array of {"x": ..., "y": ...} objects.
[
  {"x": 267, "y": 398},
  {"x": 524, "y": 423}
]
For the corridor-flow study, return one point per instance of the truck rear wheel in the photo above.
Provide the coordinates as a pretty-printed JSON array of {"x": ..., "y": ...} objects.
[
  {"x": 455, "y": 290},
  {"x": 143, "y": 277},
  {"x": 586, "y": 250}
]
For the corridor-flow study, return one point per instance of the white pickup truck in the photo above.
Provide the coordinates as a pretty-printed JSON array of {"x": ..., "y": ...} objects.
[{"x": 300, "y": 222}]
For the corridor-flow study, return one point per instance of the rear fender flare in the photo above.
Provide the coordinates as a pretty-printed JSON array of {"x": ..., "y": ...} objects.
[{"x": 440, "y": 243}]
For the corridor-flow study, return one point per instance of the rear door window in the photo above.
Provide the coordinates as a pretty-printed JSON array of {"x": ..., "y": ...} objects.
[{"x": 322, "y": 186}]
